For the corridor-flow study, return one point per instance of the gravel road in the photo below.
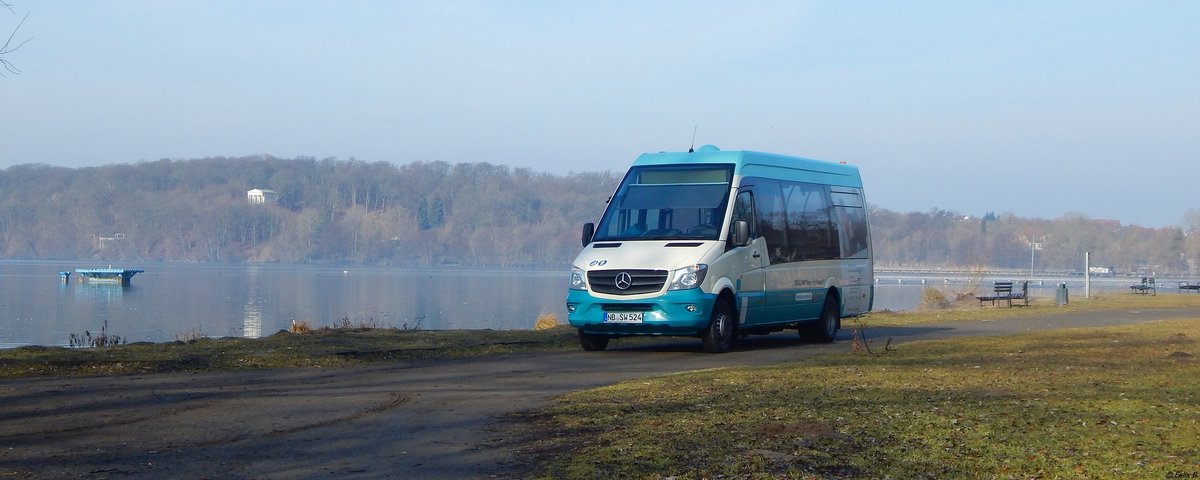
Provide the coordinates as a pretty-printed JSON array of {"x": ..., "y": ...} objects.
[{"x": 444, "y": 419}]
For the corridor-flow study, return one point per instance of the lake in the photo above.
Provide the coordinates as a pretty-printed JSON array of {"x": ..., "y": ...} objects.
[
  {"x": 170, "y": 301},
  {"x": 176, "y": 300}
]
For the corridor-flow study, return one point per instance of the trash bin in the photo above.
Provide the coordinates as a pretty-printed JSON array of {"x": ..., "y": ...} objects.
[{"x": 1060, "y": 294}]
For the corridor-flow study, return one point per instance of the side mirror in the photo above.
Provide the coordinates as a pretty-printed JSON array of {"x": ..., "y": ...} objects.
[
  {"x": 741, "y": 233},
  {"x": 589, "y": 231}
]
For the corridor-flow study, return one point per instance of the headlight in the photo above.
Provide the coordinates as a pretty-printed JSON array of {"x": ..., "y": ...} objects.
[
  {"x": 578, "y": 280},
  {"x": 687, "y": 277}
]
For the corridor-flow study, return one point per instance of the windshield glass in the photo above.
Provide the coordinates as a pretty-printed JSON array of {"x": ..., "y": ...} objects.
[{"x": 668, "y": 203}]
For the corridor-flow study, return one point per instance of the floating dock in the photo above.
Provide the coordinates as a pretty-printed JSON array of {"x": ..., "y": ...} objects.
[{"x": 119, "y": 276}]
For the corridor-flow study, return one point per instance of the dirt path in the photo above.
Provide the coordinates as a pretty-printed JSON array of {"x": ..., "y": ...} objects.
[{"x": 452, "y": 419}]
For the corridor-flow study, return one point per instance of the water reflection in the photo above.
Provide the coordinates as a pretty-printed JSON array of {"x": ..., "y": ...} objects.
[
  {"x": 103, "y": 292},
  {"x": 252, "y": 320},
  {"x": 252, "y": 312}
]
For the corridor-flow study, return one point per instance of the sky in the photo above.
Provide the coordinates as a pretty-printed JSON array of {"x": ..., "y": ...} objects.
[{"x": 1035, "y": 108}]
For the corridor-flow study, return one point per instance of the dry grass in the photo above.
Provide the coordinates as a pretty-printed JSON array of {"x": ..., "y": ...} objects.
[
  {"x": 970, "y": 310},
  {"x": 190, "y": 336},
  {"x": 323, "y": 347},
  {"x": 933, "y": 299},
  {"x": 103, "y": 339},
  {"x": 1087, "y": 403},
  {"x": 300, "y": 327},
  {"x": 545, "y": 321}
]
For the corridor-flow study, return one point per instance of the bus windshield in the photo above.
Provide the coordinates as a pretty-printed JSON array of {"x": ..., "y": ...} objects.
[{"x": 668, "y": 203}]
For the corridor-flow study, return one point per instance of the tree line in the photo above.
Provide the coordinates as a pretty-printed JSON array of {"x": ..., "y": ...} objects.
[
  {"x": 437, "y": 213},
  {"x": 944, "y": 238}
]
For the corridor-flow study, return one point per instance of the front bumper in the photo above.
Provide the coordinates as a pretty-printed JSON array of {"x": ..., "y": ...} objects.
[{"x": 667, "y": 314}]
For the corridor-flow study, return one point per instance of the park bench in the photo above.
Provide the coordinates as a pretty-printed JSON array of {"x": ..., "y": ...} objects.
[
  {"x": 1184, "y": 286},
  {"x": 1003, "y": 291},
  {"x": 1144, "y": 288}
]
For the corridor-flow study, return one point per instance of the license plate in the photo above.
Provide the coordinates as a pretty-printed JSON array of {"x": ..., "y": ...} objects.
[{"x": 623, "y": 317}]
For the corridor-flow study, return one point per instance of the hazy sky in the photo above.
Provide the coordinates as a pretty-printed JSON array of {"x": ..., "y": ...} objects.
[{"x": 1038, "y": 108}]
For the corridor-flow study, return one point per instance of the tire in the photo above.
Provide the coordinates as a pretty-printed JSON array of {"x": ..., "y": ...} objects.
[
  {"x": 824, "y": 329},
  {"x": 722, "y": 329},
  {"x": 591, "y": 342}
]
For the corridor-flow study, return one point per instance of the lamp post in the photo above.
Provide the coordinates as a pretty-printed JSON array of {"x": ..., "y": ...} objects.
[{"x": 1034, "y": 246}]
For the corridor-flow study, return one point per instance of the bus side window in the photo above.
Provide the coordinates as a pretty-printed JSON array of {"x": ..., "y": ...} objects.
[
  {"x": 811, "y": 235},
  {"x": 743, "y": 209},
  {"x": 772, "y": 220},
  {"x": 851, "y": 217}
]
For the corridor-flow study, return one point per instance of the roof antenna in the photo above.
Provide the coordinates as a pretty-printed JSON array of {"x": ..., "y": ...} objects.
[{"x": 692, "y": 148}]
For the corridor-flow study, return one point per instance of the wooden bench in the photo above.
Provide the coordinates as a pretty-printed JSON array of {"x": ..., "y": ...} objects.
[
  {"x": 1145, "y": 288},
  {"x": 1184, "y": 286},
  {"x": 1003, "y": 291}
]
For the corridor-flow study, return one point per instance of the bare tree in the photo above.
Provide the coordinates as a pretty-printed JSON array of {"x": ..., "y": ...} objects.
[{"x": 9, "y": 46}]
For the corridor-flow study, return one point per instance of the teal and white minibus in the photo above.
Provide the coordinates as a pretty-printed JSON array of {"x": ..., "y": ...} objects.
[{"x": 723, "y": 244}]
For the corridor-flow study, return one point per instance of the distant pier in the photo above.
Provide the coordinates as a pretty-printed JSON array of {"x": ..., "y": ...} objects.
[{"x": 119, "y": 276}]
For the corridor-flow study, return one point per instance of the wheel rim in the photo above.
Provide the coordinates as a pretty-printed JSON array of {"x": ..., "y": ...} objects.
[{"x": 724, "y": 327}]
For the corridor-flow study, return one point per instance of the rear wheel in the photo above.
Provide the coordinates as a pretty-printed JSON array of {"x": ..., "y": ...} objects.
[
  {"x": 825, "y": 328},
  {"x": 592, "y": 342},
  {"x": 722, "y": 329}
]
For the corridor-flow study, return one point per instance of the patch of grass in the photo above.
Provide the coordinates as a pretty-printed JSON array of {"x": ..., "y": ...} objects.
[
  {"x": 101, "y": 340},
  {"x": 190, "y": 335},
  {"x": 1121, "y": 402},
  {"x": 969, "y": 310},
  {"x": 324, "y": 347},
  {"x": 345, "y": 323},
  {"x": 301, "y": 326},
  {"x": 545, "y": 320},
  {"x": 358, "y": 344},
  {"x": 933, "y": 299}
]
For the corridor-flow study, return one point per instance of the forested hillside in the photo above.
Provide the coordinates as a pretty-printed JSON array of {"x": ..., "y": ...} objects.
[
  {"x": 941, "y": 238},
  {"x": 427, "y": 214},
  {"x": 327, "y": 211}
]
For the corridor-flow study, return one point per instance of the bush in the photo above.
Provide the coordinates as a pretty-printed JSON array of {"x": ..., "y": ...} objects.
[
  {"x": 300, "y": 327},
  {"x": 546, "y": 321},
  {"x": 934, "y": 299}
]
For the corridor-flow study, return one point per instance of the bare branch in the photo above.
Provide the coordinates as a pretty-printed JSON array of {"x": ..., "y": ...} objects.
[{"x": 9, "y": 47}]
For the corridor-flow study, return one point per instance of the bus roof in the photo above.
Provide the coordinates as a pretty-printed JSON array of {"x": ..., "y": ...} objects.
[{"x": 758, "y": 164}]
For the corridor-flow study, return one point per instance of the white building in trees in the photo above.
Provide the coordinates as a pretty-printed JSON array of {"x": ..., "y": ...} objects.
[{"x": 260, "y": 196}]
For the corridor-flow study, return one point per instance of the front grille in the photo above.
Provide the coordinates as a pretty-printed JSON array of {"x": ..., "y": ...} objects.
[{"x": 640, "y": 281}]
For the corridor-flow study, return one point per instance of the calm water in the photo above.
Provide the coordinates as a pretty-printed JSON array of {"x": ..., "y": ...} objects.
[{"x": 171, "y": 301}]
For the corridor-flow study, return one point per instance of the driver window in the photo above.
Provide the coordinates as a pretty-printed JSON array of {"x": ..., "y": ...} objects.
[{"x": 743, "y": 209}]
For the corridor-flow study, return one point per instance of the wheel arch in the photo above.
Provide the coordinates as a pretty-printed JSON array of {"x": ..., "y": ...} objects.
[{"x": 730, "y": 299}]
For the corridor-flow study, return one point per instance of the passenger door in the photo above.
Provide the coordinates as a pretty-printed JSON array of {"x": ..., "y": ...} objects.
[{"x": 751, "y": 282}]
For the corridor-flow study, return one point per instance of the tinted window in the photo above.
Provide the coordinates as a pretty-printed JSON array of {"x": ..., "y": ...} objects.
[
  {"x": 850, "y": 215},
  {"x": 743, "y": 209},
  {"x": 811, "y": 235},
  {"x": 772, "y": 219}
]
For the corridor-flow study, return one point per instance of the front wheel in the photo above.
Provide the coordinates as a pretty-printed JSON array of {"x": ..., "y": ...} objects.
[
  {"x": 592, "y": 342},
  {"x": 718, "y": 337}
]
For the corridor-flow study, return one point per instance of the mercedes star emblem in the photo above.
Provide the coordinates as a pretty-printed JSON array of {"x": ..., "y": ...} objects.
[{"x": 624, "y": 280}]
